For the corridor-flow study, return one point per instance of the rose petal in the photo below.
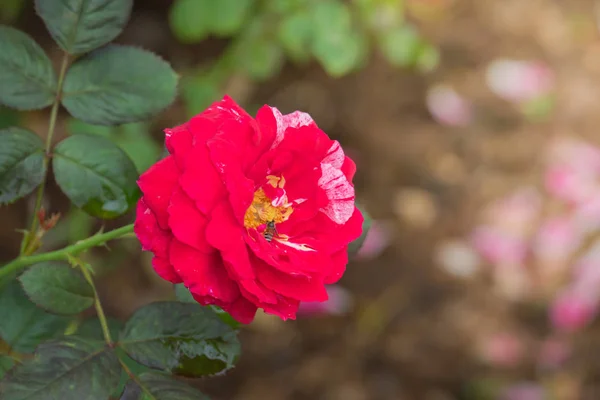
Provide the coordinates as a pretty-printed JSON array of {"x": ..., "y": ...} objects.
[
  {"x": 158, "y": 184},
  {"x": 224, "y": 233},
  {"x": 297, "y": 288},
  {"x": 165, "y": 270},
  {"x": 187, "y": 223},
  {"x": 149, "y": 233},
  {"x": 203, "y": 274}
]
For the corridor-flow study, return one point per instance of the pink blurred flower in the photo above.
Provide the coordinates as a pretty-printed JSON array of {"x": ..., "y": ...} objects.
[
  {"x": 503, "y": 349},
  {"x": 570, "y": 184},
  {"x": 524, "y": 391},
  {"x": 499, "y": 247},
  {"x": 447, "y": 107},
  {"x": 587, "y": 214},
  {"x": 377, "y": 240},
  {"x": 516, "y": 211},
  {"x": 553, "y": 353},
  {"x": 556, "y": 239},
  {"x": 572, "y": 310},
  {"x": 340, "y": 302},
  {"x": 580, "y": 155},
  {"x": 519, "y": 81}
]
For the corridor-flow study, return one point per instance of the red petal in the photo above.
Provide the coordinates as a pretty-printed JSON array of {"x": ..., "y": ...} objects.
[
  {"x": 302, "y": 289},
  {"x": 187, "y": 223},
  {"x": 349, "y": 169},
  {"x": 165, "y": 270},
  {"x": 338, "y": 267},
  {"x": 257, "y": 292},
  {"x": 224, "y": 233},
  {"x": 149, "y": 233},
  {"x": 203, "y": 274},
  {"x": 178, "y": 141},
  {"x": 241, "y": 309},
  {"x": 200, "y": 179},
  {"x": 158, "y": 184},
  {"x": 285, "y": 308}
]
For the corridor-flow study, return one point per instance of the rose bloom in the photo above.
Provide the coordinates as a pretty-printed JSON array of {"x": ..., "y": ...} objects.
[{"x": 250, "y": 212}]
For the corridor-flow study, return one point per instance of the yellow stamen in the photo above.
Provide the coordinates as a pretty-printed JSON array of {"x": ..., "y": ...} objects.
[{"x": 262, "y": 211}]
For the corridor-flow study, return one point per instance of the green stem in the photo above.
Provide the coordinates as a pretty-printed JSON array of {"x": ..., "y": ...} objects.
[
  {"x": 137, "y": 380},
  {"x": 27, "y": 240},
  {"x": 98, "y": 239},
  {"x": 97, "y": 304}
]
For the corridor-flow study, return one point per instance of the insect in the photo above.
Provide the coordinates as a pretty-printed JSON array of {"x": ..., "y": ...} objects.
[{"x": 270, "y": 231}]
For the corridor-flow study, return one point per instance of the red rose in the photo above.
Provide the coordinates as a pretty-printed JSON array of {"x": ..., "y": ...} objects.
[{"x": 250, "y": 213}]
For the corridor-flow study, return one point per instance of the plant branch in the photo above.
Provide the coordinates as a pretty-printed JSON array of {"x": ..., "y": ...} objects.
[
  {"x": 97, "y": 240},
  {"x": 97, "y": 304},
  {"x": 28, "y": 240},
  {"x": 137, "y": 380}
]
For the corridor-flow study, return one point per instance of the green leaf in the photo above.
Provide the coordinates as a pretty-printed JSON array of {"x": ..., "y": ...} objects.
[
  {"x": 134, "y": 139},
  {"x": 193, "y": 20},
  {"x": 22, "y": 166},
  {"x": 135, "y": 368},
  {"x": 263, "y": 59},
  {"x": 199, "y": 92},
  {"x": 91, "y": 328},
  {"x": 79, "y": 26},
  {"x": 336, "y": 44},
  {"x": 118, "y": 84},
  {"x": 27, "y": 80},
  {"x": 355, "y": 246},
  {"x": 70, "y": 369},
  {"x": 58, "y": 288},
  {"x": 96, "y": 175},
  {"x": 6, "y": 363},
  {"x": 184, "y": 295},
  {"x": 400, "y": 46},
  {"x": 188, "y": 20},
  {"x": 24, "y": 325},
  {"x": 160, "y": 387},
  {"x": 227, "y": 16},
  {"x": 295, "y": 34},
  {"x": 182, "y": 338}
]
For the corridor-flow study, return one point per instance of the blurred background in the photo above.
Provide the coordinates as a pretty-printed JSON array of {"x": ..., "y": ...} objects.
[{"x": 474, "y": 125}]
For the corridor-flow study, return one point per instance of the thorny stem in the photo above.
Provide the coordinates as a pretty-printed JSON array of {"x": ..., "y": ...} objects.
[
  {"x": 73, "y": 250},
  {"x": 97, "y": 304},
  {"x": 26, "y": 245}
]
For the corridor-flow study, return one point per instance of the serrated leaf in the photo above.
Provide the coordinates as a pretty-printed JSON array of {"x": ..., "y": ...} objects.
[
  {"x": 58, "y": 288},
  {"x": 96, "y": 175},
  {"x": 22, "y": 166},
  {"x": 184, "y": 295},
  {"x": 24, "y": 325},
  {"x": 355, "y": 246},
  {"x": 70, "y": 369},
  {"x": 158, "y": 386},
  {"x": 118, "y": 84},
  {"x": 27, "y": 79},
  {"x": 134, "y": 367},
  {"x": 182, "y": 338},
  {"x": 6, "y": 363},
  {"x": 79, "y": 26}
]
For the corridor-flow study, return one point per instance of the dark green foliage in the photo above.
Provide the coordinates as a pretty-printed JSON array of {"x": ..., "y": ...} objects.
[
  {"x": 96, "y": 175},
  {"x": 27, "y": 80},
  {"x": 22, "y": 166},
  {"x": 58, "y": 288},
  {"x": 24, "y": 325},
  {"x": 182, "y": 338},
  {"x": 118, "y": 84},
  {"x": 355, "y": 246},
  {"x": 79, "y": 26},
  {"x": 72, "y": 368},
  {"x": 160, "y": 387}
]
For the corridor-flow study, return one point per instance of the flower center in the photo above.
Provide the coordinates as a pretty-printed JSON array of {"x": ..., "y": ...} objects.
[{"x": 264, "y": 209}]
